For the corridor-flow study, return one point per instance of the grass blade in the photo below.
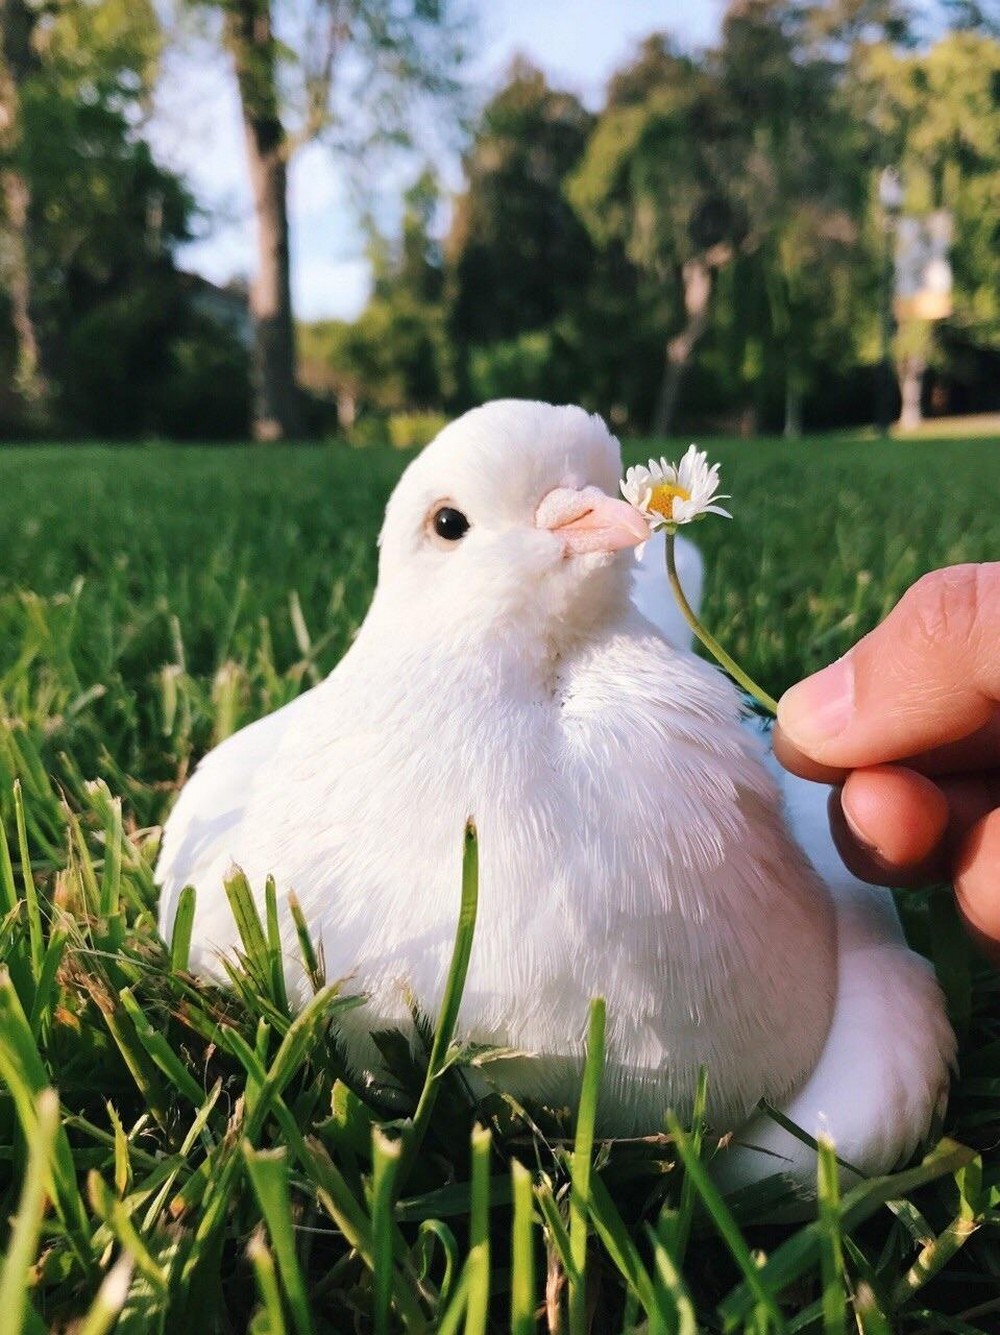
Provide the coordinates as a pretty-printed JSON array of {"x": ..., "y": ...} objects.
[
  {"x": 558, "y": 1236},
  {"x": 937, "y": 1252},
  {"x": 831, "y": 1254},
  {"x": 35, "y": 930},
  {"x": 583, "y": 1150},
  {"x": 274, "y": 948},
  {"x": 678, "y": 1228},
  {"x": 27, "y": 1225},
  {"x": 312, "y": 962},
  {"x": 348, "y": 1214},
  {"x": 180, "y": 935},
  {"x": 385, "y": 1162},
  {"x": 248, "y": 924},
  {"x": 46, "y": 989},
  {"x": 522, "y": 1253},
  {"x": 24, "y": 1073},
  {"x": 451, "y": 1001},
  {"x": 429, "y": 1232},
  {"x": 268, "y": 1172},
  {"x": 116, "y": 1215},
  {"x": 267, "y": 1283},
  {"x": 725, "y": 1224},
  {"x": 794, "y": 1257},
  {"x": 111, "y": 1298},
  {"x": 669, "y": 1281},
  {"x": 160, "y": 1051},
  {"x": 477, "y": 1263},
  {"x": 610, "y": 1228}
]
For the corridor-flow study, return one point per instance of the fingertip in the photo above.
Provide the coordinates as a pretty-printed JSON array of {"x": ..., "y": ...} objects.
[
  {"x": 815, "y": 711},
  {"x": 977, "y": 882},
  {"x": 896, "y": 814},
  {"x": 797, "y": 762}
]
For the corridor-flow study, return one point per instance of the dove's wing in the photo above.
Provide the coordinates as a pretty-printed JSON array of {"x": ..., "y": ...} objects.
[
  {"x": 200, "y": 841},
  {"x": 651, "y": 592}
]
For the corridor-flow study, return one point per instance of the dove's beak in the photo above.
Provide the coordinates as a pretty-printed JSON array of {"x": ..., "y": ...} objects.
[{"x": 590, "y": 521}]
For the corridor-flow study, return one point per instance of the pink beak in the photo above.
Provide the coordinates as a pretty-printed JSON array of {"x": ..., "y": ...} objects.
[{"x": 590, "y": 521}]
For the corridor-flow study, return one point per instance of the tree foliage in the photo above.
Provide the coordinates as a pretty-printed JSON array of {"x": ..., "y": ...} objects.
[
  {"x": 108, "y": 309},
  {"x": 707, "y": 248}
]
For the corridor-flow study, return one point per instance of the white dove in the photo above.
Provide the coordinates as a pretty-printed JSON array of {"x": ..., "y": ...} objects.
[{"x": 632, "y": 840}]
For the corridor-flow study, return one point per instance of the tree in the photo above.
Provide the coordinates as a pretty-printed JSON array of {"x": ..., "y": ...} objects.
[
  {"x": 396, "y": 356},
  {"x": 801, "y": 179},
  {"x": 78, "y": 181},
  {"x": 18, "y": 63},
  {"x": 937, "y": 115},
  {"x": 659, "y": 179},
  {"x": 517, "y": 252},
  {"x": 354, "y": 72},
  {"x": 745, "y": 161}
]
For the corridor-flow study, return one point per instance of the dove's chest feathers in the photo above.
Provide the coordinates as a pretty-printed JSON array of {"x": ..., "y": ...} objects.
[{"x": 629, "y": 846}]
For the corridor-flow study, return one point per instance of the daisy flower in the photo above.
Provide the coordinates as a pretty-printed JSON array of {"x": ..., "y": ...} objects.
[
  {"x": 672, "y": 494},
  {"x": 669, "y": 495}
]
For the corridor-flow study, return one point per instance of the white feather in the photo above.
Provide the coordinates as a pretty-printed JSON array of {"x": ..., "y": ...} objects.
[{"x": 631, "y": 838}]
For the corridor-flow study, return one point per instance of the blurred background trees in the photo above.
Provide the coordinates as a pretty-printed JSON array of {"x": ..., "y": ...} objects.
[{"x": 704, "y": 250}]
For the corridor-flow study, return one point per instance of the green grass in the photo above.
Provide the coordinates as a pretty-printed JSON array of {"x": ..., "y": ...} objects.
[{"x": 211, "y": 1168}]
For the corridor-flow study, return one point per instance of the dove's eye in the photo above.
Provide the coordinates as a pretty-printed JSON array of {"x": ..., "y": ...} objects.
[{"x": 449, "y": 523}]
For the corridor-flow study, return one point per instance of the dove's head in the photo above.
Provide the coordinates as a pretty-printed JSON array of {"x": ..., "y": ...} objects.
[{"x": 509, "y": 521}]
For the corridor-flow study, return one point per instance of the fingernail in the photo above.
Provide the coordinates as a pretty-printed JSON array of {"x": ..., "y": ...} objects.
[{"x": 818, "y": 709}]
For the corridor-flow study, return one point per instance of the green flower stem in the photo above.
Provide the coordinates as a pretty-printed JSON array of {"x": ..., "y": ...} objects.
[{"x": 709, "y": 641}]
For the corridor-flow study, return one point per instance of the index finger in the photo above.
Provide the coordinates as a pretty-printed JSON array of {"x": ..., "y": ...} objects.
[{"x": 928, "y": 676}]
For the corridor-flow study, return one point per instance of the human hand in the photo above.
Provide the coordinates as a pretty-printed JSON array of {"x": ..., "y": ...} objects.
[{"x": 907, "y": 725}]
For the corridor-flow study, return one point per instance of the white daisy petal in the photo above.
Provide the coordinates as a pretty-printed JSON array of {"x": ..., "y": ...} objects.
[{"x": 672, "y": 494}]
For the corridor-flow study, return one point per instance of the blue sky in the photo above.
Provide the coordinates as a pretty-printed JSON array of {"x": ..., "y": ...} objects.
[{"x": 197, "y": 131}]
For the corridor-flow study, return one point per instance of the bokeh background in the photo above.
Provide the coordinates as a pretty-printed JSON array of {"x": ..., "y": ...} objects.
[{"x": 320, "y": 218}]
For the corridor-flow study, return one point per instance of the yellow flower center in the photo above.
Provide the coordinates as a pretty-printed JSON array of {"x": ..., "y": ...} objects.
[{"x": 662, "y": 499}]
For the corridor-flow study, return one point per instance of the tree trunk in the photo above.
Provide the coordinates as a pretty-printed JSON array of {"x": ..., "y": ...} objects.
[
  {"x": 911, "y": 381},
  {"x": 18, "y": 62},
  {"x": 793, "y": 408},
  {"x": 250, "y": 37},
  {"x": 696, "y": 276}
]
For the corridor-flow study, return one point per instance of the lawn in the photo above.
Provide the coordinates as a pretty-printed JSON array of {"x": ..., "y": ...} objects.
[{"x": 152, "y": 600}]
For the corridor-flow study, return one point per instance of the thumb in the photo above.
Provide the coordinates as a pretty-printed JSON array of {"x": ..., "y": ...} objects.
[{"x": 928, "y": 675}]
